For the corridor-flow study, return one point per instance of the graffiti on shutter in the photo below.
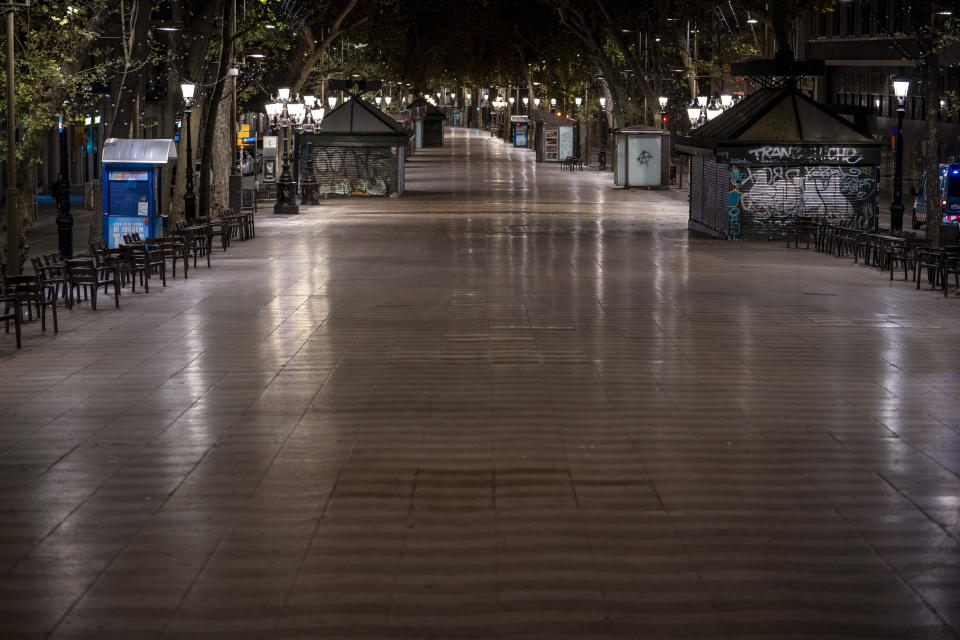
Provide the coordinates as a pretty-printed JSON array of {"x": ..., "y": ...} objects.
[
  {"x": 353, "y": 171},
  {"x": 765, "y": 200}
]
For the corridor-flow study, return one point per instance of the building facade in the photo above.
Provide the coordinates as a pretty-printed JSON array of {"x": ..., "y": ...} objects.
[{"x": 865, "y": 44}]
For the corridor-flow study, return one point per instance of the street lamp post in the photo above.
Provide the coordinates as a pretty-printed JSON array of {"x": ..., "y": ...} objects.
[
  {"x": 286, "y": 188},
  {"x": 693, "y": 114},
  {"x": 713, "y": 110},
  {"x": 189, "y": 197},
  {"x": 604, "y": 132},
  {"x": 900, "y": 88},
  {"x": 308, "y": 185}
]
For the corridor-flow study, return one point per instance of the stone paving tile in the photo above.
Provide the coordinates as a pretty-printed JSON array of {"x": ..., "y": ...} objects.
[{"x": 514, "y": 403}]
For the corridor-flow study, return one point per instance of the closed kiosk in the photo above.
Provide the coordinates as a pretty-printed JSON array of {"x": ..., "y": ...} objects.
[
  {"x": 270, "y": 158},
  {"x": 131, "y": 187},
  {"x": 520, "y": 131},
  {"x": 641, "y": 157},
  {"x": 555, "y": 141},
  {"x": 777, "y": 157}
]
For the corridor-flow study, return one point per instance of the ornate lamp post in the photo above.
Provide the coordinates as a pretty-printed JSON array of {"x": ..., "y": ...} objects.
[
  {"x": 189, "y": 197},
  {"x": 900, "y": 88},
  {"x": 713, "y": 110},
  {"x": 308, "y": 185},
  {"x": 693, "y": 113},
  {"x": 286, "y": 114}
]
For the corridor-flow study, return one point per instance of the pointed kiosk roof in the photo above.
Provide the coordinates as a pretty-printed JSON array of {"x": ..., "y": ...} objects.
[
  {"x": 428, "y": 109},
  {"x": 776, "y": 116},
  {"x": 356, "y": 123}
]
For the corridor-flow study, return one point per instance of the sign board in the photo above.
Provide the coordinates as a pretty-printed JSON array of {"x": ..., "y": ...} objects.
[
  {"x": 134, "y": 176},
  {"x": 243, "y": 135},
  {"x": 801, "y": 154},
  {"x": 126, "y": 225}
]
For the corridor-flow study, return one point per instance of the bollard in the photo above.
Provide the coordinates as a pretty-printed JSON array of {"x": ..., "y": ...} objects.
[{"x": 65, "y": 233}]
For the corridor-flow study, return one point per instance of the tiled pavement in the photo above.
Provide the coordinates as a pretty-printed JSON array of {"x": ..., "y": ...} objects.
[{"x": 514, "y": 403}]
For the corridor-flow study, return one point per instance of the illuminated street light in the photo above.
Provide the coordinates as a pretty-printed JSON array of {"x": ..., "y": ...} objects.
[
  {"x": 901, "y": 87},
  {"x": 189, "y": 197}
]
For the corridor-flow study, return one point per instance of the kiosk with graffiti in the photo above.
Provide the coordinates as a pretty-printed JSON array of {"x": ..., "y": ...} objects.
[{"x": 777, "y": 156}]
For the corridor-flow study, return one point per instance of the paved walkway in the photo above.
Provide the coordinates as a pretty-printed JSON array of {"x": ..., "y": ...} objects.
[{"x": 514, "y": 403}]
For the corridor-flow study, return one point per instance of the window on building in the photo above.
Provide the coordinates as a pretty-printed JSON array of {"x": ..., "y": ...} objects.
[
  {"x": 882, "y": 14},
  {"x": 866, "y": 18},
  {"x": 849, "y": 18},
  {"x": 822, "y": 26},
  {"x": 899, "y": 15}
]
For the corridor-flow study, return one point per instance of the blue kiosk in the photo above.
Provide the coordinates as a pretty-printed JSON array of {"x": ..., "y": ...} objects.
[
  {"x": 520, "y": 131},
  {"x": 131, "y": 187}
]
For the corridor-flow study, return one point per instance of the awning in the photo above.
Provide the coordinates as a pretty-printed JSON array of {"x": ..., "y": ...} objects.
[{"x": 139, "y": 151}]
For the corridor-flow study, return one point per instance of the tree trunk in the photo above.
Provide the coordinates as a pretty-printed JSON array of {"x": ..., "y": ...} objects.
[
  {"x": 222, "y": 155},
  {"x": 930, "y": 159},
  {"x": 168, "y": 114},
  {"x": 30, "y": 147},
  {"x": 213, "y": 112},
  {"x": 130, "y": 80}
]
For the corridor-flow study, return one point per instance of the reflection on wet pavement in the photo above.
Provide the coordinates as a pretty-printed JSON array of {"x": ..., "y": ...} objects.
[{"x": 514, "y": 402}]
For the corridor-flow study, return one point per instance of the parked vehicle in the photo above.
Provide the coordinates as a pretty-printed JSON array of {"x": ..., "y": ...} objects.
[{"x": 949, "y": 188}]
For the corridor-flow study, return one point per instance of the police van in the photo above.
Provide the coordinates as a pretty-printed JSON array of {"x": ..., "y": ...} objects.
[{"x": 949, "y": 187}]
